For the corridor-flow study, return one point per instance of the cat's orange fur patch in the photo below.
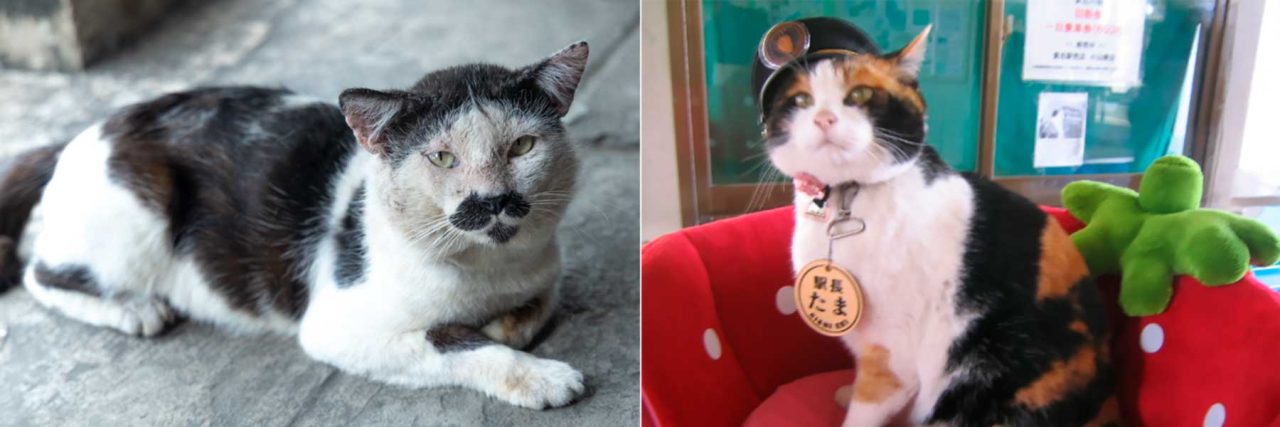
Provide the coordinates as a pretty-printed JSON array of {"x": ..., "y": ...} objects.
[
  {"x": 798, "y": 86},
  {"x": 1062, "y": 377},
  {"x": 1079, "y": 327},
  {"x": 883, "y": 74},
  {"x": 1108, "y": 414},
  {"x": 875, "y": 380},
  {"x": 513, "y": 321},
  {"x": 863, "y": 71},
  {"x": 1061, "y": 265}
]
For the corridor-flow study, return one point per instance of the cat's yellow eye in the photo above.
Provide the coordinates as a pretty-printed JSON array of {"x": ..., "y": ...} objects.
[
  {"x": 522, "y": 145},
  {"x": 443, "y": 159},
  {"x": 802, "y": 100},
  {"x": 859, "y": 95}
]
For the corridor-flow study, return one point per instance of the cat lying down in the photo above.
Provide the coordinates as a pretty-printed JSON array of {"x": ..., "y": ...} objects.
[{"x": 406, "y": 235}]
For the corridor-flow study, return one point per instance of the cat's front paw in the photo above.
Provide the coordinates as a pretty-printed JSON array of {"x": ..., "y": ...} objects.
[
  {"x": 145, "y": 318},
  {"x": 541, "y": 383}
]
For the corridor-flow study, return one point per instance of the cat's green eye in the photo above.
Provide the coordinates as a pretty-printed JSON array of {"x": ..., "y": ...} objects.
[
  {"x": 859, "y": 95},
  {"x": 802, "y": 100},
  {"x": 443, "y": 159},
  {"x": 522, "y": 145}
]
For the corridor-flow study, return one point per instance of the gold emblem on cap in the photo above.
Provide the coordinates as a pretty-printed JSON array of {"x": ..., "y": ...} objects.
[{"x": 783, "y": 43}]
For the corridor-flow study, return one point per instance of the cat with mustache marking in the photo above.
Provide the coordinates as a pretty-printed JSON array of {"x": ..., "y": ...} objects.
[{"x": 405, "y": 235}]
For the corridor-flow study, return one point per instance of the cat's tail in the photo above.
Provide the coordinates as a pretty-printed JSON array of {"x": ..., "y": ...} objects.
[{"x": 22, "y": 181}]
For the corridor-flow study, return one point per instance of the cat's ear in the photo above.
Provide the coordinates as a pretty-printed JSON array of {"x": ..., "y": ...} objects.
[
  {"x": 910, "y": 57},
  {"x": 368, "y": 113},
  {"x": 559, "y": 74}
]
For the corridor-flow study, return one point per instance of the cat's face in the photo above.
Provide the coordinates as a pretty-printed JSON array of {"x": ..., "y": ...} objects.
[
  {"x": 474, "y": 154},
  {"x": 859, "y": 118}
]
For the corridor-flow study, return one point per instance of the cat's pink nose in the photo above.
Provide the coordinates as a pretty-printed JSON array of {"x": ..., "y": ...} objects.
[{"x": 824, "y": 119}]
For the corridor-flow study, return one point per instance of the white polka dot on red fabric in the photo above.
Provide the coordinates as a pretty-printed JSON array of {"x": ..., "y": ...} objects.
[
  {"x": 1216, "y": 416},
  {"x": 1152, "y": 338},
  {"x": 785, "y": 300},
  {"x": 843, "y": 394},
  {"x": 711, "y": 343}
]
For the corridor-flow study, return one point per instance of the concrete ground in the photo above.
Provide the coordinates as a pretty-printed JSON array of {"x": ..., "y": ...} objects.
[{"x": 56, "y": 371}]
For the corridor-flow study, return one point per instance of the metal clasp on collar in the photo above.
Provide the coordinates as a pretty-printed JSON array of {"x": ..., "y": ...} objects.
[{"x": 843, "y": 214}]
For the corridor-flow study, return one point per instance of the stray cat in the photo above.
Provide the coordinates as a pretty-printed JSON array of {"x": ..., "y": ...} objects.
[
  {"x": 408, "y": 236},
  {"x": 979, "y": 309}
]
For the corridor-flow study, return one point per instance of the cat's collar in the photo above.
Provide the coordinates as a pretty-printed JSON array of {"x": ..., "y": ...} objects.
[{"x": 819, "y": 193}]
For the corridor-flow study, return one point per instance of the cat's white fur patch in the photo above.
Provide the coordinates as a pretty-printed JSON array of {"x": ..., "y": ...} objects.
[{"x": 909, "y": 262}]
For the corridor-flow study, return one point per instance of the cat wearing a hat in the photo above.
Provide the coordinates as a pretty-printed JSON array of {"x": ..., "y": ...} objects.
[{"x": 975, "y": 307}]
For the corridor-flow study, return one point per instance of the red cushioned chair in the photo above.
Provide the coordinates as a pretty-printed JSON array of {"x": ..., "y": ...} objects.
[{"x": 723, "y": 346}]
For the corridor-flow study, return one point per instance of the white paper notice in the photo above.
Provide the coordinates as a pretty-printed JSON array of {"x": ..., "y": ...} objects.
[
  {"x": 1060, "y": 129},
  {"x": 1089, "y": 42}
]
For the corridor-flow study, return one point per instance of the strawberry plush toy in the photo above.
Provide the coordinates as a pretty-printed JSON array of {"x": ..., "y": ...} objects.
[{"x": 1155, "y": 233}]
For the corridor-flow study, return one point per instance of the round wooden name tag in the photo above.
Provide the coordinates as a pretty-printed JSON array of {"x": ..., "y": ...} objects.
[{"x": 828, "y": 298}]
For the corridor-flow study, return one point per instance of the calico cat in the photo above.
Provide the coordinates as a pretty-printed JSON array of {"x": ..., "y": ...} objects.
[
  {"x": 979, "y": 310},
  {"x": 408, "y": 236}
]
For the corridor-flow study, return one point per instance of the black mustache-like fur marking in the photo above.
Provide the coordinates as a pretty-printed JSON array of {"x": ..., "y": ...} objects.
[
  {"x": 475, "y": 212},
  {"x": 502, "y": 232},
  {"x": 471, "y": 216}
]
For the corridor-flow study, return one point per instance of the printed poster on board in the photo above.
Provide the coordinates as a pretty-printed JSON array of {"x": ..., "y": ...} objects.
[{"x": 1087, "y": 42}]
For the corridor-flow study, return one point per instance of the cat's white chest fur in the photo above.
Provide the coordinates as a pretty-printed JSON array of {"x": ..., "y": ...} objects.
[{"x": 909, "y": 262}]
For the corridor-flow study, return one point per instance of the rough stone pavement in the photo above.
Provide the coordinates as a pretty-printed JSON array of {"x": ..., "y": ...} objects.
[{"x": 55, "y": 371}]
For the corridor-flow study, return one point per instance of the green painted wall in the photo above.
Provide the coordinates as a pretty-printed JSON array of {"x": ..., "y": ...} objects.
[{"x": 951, "y": 77}]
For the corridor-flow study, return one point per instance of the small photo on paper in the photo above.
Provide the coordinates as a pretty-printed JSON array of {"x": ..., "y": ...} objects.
[{"x": 1060, "y": 126}]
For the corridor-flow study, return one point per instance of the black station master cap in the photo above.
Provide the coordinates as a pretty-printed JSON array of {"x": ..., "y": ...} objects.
[{"x": 802, "y": 41}]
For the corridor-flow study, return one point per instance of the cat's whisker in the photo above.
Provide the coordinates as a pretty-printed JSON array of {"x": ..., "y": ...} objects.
[
  {"x": 769, "y": 176},
  {"x": 431, "y": 229}
]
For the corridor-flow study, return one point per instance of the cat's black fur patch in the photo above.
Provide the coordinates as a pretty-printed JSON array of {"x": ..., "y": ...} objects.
[
  {"x": 244, "y": 180},
  {"x": 453, "y": 337},
  {"x": 932, "y": 165},
  {"x": 1016, "y": 339},
  {"x": 513, "y": 204},
  {"x": 67, "y": 277},
  {"x": 892, "y": 114},
  {"x": 473, "y": 213},
  {"x": 351, "y": 245},
  {"x": 501, "y": 233},
  {"x": 22, "y": 181}
]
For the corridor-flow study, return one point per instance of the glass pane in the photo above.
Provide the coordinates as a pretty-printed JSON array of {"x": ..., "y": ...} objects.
[
  {"x": 1125, "y": 127},
  {"x": 1258, "y": 174},
  {"x": 951, "y": 77}
]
